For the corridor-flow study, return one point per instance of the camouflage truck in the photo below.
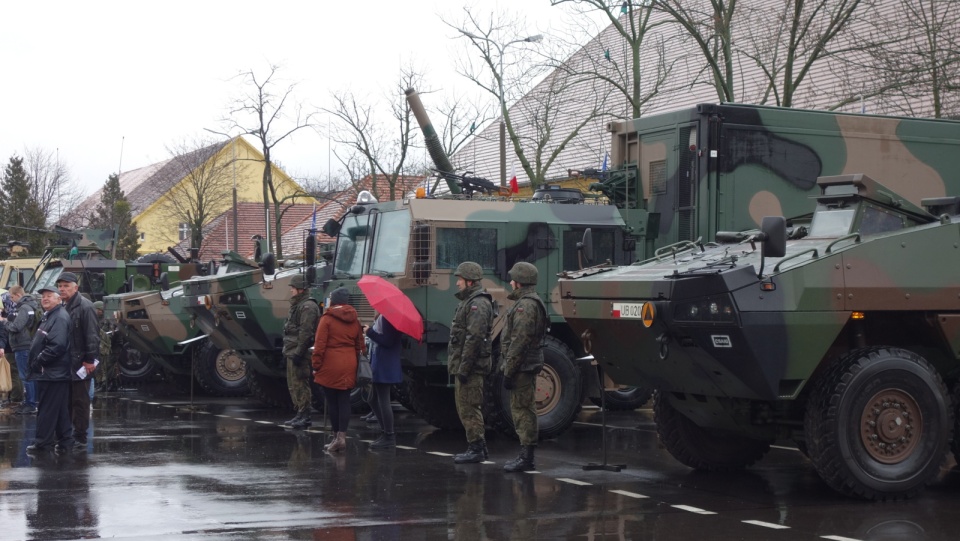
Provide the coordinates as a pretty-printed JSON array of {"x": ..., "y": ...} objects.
[
  {"x": 844, "y": 338},
  {"x": 87, "y": 254},
  {"x": 156, "y": 325}
]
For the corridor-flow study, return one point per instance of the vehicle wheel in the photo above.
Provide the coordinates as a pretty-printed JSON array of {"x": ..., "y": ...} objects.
[
  {"x": 220, "y": 372},
  {"x": 558, "y": 394},
  {"x": 269, "y": 390},
  {"x": 135, "y": 367},
  {"x": 955, "y": 402},
  {"x": 878, "y": 424},
  {"x": 624, "y": 398},
  {"x": 435, "y": 405},
  {"x": 703, "y": 448},
  {"x": 400, "y": 394},
  {"x": 358, "y": 400}
]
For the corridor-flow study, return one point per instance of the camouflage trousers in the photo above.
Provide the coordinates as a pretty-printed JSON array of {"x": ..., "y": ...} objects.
[
  {"x": 469, "y": 398},
  {"x": 523, "y": 407},
  {"x": 298, "y": 381}
]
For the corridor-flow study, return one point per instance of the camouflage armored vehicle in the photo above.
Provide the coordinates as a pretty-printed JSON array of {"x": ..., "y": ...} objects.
[
  {"x": 157, "y": 328},
  {"x": 843, "y": 338}
]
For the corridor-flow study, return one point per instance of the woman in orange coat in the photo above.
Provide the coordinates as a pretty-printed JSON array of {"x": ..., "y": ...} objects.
[{"x": 339, "y": 339}]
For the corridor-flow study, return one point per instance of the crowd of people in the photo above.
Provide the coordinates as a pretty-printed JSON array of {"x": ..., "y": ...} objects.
[
  {"x": 338, "y": 340},
  {"x": 56, "y": 345}
]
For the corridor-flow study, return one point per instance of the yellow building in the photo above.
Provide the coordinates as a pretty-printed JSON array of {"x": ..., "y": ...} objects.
[{"x": 159, "y": 194}]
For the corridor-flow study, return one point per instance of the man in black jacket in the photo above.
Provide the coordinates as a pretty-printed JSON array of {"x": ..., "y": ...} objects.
[
  {"x": 84, "y": 353},
  {"x": 20, "y": 327},
  {"x": 49, "y": 366}
]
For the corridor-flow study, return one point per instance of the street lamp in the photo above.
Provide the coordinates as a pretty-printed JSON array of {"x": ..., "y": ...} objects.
[{"x": 536, "y": 38}]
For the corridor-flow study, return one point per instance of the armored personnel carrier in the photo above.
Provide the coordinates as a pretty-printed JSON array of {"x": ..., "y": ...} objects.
[{"x": 840, "y": 331}]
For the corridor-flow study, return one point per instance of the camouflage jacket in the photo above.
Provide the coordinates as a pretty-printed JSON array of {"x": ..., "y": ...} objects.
[
  {"x": 469, "y": 348},
  {"x": 523, "y": 333},
  {"x": 300, "y": 328}
]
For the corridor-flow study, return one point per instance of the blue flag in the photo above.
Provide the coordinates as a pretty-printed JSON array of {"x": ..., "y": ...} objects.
[
  {"x": 603, "y": 168},
  {"x": 313, "y": 223}
]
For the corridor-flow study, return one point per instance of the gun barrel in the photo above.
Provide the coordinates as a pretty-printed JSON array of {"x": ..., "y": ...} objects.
[{"x": 444, "y": 168}]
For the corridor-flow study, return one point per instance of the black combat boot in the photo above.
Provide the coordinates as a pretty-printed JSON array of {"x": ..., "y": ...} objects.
[
  {"x": 476, "y": 452},
  {"x": 387, "y": 440},
  {"x": 296, "y": 418},
  {"x": 303, "y": 421},
  {"x": 523, "y": 462}
]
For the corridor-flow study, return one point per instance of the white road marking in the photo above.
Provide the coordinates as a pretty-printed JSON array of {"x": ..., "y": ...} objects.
[
  {"x": 838, "y": 538},
  {"x": 691, "y": 509},
  {"x": 629, "y": 494},
  {"x": 405, "y": 448},
  {"x": 265, "y": 422},
  {"x": 438, "y": 453},
  {"x": 153, "y": 403},
  {"x": 241, "y": 418},
  {"x": 766, "y": 524},
  {"x": 573, "y": 481},
  {"x": 785, "y": 448},
  {"x": 224, "y": 416}
]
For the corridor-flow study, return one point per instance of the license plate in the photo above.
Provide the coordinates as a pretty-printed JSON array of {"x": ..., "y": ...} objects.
[{"x": 628, "y": 310}]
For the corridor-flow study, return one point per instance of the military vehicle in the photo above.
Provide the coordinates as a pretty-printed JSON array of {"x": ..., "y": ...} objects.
[
  {"x": 843, "y": 338},
  {"x": 17, "y": 270},
  {"x": 156, "y": 327}
]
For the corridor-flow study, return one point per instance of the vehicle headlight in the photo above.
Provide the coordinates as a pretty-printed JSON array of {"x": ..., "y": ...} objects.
[{"x": 713, "y": 309}]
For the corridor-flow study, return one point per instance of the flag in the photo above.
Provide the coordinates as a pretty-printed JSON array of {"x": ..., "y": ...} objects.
[
  {"x": 514, "y": 186},
  {"x": 313, "y": 222},
  {"x": 603, "y": 168}
]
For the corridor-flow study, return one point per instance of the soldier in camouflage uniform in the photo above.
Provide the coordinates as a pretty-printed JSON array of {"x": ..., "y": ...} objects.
[
  {"x": 468, "y": 356},
  {"x": 522, "y": 358},
  {"x": 298, "y": 335}
]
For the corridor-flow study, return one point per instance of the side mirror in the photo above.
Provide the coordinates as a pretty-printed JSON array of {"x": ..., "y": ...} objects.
[
  {"x": 269, "y": 263},
  {"x": 331, "y": 228},
  {"x": 585, "y": 247},
  {"x": 773, "y": 233}
]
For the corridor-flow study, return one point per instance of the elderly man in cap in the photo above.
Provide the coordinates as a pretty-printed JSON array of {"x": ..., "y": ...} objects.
[
  {"x": 298, "y": 334},
  {"x": 84, "y": 353},
  {"x": 49, "y": 367}
]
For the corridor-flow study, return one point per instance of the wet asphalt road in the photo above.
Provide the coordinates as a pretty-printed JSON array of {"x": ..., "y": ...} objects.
[{"x": 156, "y": 470}]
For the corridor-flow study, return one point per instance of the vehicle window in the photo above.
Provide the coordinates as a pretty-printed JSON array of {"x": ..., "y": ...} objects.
[
  {"x": 832, "y": 222},
  {"x": 454, "y": 246},
  {"x": 352, "y": 245},
  {"x": 47, "y": 278},
  {"x": 390, "y": 247},
  {"x": 603, "y": 247},
  {"x": 877, "y": 220}
]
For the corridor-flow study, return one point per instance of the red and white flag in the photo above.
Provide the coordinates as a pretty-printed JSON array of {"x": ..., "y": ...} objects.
[{"x": 514, "y": 186}]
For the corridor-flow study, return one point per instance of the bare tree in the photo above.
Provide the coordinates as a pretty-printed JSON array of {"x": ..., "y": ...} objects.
[
  {"x": 636, "y": 80},
  {"x": 458, "y": 118},
  {"x": 51, "y": 184},
  {"x": 271, "y": 116},
  {"x": 373, "y": 149},
  {"x": 208, "y": 172}
]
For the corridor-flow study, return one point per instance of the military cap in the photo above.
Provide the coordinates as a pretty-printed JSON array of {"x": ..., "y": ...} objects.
[
  {"x": 341, "y": 295},
  {"x": 524, "y": 273},
  {"x": 98, "y": 305},
  {"x": 468, "y": 270},
  {"x": 298, "y": 281},
  {"x": 67, "y": 277}
]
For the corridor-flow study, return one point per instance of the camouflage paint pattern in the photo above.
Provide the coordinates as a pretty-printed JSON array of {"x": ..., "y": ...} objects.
[
  {"x": 734, "y": 352},
  {"x": 523, "y": 407},
  {"x": 468, "y": 398}
]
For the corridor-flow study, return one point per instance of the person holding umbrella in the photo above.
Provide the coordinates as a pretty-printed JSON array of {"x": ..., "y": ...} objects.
[
  {"x": 385, "y": 362},
  {"x": 338, "y": 341}
]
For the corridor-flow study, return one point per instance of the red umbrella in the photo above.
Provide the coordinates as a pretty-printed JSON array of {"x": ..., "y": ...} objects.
[{"x": 392, "y": 304}]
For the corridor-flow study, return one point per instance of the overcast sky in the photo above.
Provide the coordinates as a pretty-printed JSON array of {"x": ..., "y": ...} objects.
[{"x": 86, "y": 78}]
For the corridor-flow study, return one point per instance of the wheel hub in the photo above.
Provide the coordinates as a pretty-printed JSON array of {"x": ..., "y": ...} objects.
[
  {"x": 230, "y": 366},
  {"x": 891, "y": 426},
  {"x": 548, "y": 387}
]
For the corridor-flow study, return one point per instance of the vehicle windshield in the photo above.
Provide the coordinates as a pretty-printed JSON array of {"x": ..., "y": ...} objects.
[
  {"x": 390, "y": 245},
  {"x": 352, "y": 245},
  {"x": 832, "y": 221},
  {"x": 47, "y": 278}
]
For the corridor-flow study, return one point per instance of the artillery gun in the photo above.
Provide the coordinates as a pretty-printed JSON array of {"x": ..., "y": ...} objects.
[
  {"x": 158, "y": 329},
  {"x": 840, "y": 332}
]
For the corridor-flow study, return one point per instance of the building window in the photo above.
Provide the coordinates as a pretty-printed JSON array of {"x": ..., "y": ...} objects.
[
  {"x": 143, "y": 236},
  {"x": 184, "y": 230}
]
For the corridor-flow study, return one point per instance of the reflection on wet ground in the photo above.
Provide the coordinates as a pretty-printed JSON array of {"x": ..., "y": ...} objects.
[{"x": 155, "y": 468}]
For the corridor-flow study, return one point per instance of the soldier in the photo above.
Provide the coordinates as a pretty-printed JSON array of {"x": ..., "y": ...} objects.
[
  {"x": 522, "y": 359},
  {"x": 298, "y": 335},
  {"x": 106, "y": 374},
  {"x": 469, "y": 356}
]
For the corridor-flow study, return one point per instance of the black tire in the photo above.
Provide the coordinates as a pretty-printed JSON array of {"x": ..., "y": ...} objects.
[
  {"x": 955, "y": 401},
  {"x": 399, "y": 393},
  {"x": 269, "y": 390},
  {"x": 220, "y": 372},
  {"x": 906, "y": 401},
  {"x": 136, "y": 367},
  {"x": 559, "y": 394},
  {"x": 358, "y": 399},
  {"x": 703, "y": 448},
  {"x": 624, "y": 398},
  {"x": 435, "y": 405}
]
